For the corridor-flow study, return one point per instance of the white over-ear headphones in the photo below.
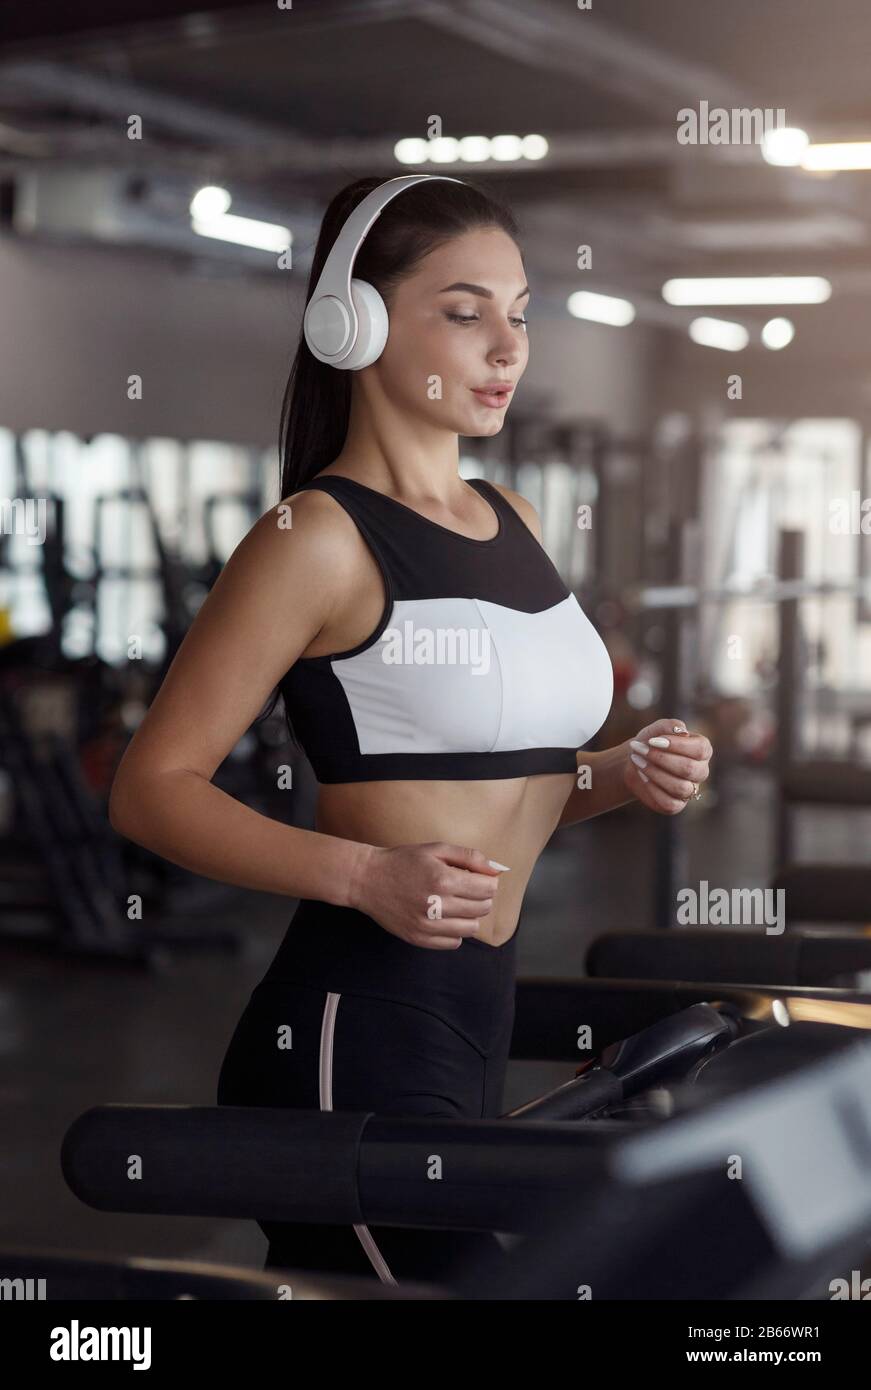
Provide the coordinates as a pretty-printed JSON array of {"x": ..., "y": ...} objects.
[{"x": 346, "y": 321}]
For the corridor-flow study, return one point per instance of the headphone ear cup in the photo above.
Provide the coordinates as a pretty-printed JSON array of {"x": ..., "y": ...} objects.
[{"x": 374, "y": 326}]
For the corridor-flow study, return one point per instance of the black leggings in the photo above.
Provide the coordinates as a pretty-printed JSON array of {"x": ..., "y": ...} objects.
[{"x": 350, "y": 1017}]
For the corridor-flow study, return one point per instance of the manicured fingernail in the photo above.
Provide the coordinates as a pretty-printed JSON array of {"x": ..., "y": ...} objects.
[
  {"x": 494, "y": 865},
  {"x": 659, "y": 743},
  {"x": 643, "y": 776},
  {"x": 638, "y": 745},
  {"x": 639, "y": 762},
  {"x": 677, "y": 730}
]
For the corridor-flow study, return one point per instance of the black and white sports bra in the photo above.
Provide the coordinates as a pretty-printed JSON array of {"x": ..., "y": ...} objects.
[{"x": 483, "y": 664}]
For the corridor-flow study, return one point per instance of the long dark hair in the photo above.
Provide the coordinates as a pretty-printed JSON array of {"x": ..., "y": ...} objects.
[{"x": 317, "y": 399}]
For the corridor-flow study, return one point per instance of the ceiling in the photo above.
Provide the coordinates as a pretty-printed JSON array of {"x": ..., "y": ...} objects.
[{"x": 285, "y": 105}]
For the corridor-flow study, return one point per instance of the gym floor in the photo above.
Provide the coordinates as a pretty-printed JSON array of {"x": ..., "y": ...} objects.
[{"x": 76, "y": 1035}]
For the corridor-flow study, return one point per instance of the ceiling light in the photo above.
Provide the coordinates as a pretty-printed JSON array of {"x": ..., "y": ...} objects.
[
  {"x": 505, "y": 147},
  {"x": 210, "y": 202},
  {"x": 748, "y": 289},
  {"x": 534, "y": 147},
  {"x": 474, "y": 148},
  {"x": 718, "y": 333},
  {"x": 411, "y": 151},
  {"x": 443, "y": 150},
  {"x": 471, "y": 149},
  {"x": 601, "y": 308},
  {"x": 784, "y": 145},
  {"x": 777, "y": 333},
  {"x": 854, "y": 154},
  {"x": 244, "y": 231}
]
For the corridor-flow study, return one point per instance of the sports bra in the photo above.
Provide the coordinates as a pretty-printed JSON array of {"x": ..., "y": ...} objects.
[{"x": 483, "y": 664}]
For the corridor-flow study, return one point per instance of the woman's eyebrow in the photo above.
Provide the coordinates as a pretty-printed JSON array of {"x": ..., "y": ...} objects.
[{"x": 478, "y": 289}]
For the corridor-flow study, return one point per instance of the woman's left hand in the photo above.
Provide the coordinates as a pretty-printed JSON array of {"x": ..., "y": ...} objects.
[{"x": 666, "y": 765}]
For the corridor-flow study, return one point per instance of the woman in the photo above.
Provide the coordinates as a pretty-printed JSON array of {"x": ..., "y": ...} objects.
[{"x": 442, "y": 680}]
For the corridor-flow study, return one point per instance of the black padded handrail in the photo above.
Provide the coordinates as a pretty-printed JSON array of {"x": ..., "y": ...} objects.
[
  {"x": 732, "y": 956},
  {"x": 263, "y": 1163}
]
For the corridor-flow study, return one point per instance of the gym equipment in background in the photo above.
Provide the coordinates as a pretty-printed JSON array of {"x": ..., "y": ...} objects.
[{"x": 799, "y": 781}]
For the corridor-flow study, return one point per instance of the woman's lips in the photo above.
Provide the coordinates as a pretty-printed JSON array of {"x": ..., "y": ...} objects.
[{"x": 496, "y": 399}]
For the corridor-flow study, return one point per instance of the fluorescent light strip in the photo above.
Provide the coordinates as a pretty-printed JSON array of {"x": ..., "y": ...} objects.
[
  {"x": 760, "y": 289},
  {"x": 244, "y": 231},
  {"x": 854, "y": 154}
]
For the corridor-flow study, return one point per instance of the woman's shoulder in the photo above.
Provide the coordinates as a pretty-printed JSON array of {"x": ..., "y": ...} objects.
[{"x": 308, "y": 527}]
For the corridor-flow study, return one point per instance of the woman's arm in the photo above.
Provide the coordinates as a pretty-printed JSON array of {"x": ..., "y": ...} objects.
[
  {"x": 670, "y": 780},
  {"x": 607, "y": 788},
  {"x": 270, "y": 601}
]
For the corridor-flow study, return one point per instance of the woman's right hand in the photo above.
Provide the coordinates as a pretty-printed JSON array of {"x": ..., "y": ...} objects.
[{"x": 431, "y": 895}]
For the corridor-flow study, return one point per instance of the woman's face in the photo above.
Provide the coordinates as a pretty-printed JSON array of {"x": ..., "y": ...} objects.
[{"x": 457, "y": 325}]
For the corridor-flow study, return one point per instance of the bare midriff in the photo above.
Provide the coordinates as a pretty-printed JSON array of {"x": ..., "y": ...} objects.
[{"x": 510, "y": 820}]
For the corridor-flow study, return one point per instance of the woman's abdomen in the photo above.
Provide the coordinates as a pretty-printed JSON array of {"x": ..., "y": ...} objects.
[{"x": 509, "y": 820}]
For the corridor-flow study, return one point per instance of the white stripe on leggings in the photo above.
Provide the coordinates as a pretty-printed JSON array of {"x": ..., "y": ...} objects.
[{"x": 328, "y": 1028}]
